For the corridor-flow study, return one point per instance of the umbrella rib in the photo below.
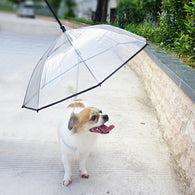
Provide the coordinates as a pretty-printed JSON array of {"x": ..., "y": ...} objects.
[
  {"x": 124, "y": 63},
  {"x": 42, "y": 58},
  {"x": 45, "y": 56},
  {"x": 59, "y": 76},
  {"x": 106, "y": 50},
  {"x": 48, "y": 51},
  {"x": 56, "y": 48},
  {"x": 82, "y": 60},
  {"x": 51, "y": 51}
]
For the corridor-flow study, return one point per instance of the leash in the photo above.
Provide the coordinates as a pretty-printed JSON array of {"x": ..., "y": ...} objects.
[
  {"x": 77, "y": 86},
  {"x": 74, "y": 149}
]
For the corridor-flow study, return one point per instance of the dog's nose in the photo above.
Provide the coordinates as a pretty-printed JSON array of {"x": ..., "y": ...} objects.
[{"x": 105, "y": 117}]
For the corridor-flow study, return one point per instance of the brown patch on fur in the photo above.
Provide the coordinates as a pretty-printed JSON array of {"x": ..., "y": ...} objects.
[
  {"x": 86, "y": 114},
  {"x": 84, "y": 118},
  {"x": 76, "y": 104}
]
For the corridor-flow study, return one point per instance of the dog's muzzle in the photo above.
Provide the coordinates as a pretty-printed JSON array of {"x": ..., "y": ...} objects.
[{"x": 103, "y": 129}]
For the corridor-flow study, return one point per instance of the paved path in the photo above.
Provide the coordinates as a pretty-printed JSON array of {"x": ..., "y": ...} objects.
[{"x": 131, "y": 159}]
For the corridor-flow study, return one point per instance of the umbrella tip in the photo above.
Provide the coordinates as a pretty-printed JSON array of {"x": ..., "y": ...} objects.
[{"x": 62, "y": 28}]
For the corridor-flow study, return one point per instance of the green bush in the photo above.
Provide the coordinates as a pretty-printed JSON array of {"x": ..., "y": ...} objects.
[
  {"x": 172, "y": 20},
  {"x": 147, "y": 30},
  {"x": 152, "y": 8},
  {"x": 129, "y": 13},
  {"x": 175, "y": 30},
  {"x": 185, "y": 42}
]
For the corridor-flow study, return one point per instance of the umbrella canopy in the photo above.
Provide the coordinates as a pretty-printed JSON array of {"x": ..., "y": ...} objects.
[{"x": 78, "y": 61}]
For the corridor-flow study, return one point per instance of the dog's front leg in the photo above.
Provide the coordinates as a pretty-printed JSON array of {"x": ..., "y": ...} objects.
[
  {"x": 83, "y": 170},
  {"x": 67, "y": 168}
]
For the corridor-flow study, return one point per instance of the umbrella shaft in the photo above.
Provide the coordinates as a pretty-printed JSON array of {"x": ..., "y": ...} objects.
[{"x": 61, "y": 26}]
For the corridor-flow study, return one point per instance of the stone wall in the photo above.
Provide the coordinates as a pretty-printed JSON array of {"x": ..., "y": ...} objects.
[{"x": 176, "y": 114}]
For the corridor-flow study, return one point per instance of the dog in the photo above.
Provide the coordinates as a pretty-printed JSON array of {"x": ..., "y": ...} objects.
[{"x": 77, "y": 135}]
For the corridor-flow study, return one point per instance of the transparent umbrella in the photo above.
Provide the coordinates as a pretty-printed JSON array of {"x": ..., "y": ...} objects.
[{"x": 78, "y": 61}]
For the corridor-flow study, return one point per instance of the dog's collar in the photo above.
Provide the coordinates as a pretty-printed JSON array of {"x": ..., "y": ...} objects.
[{"x": 70, "y": 147}]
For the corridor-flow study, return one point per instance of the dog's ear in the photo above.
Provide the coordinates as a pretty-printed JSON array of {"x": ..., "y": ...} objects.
[{"x": 73, "y": 121}]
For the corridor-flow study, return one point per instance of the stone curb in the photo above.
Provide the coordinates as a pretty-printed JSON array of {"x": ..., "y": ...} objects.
[{"x": 182, "y": 74}]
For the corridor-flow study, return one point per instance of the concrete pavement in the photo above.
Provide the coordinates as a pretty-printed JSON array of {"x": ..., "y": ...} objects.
[{"x": 131, "y": 159}]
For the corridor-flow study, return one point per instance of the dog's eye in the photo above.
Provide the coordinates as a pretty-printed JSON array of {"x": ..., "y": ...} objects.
[{"x": 93, "y": 118}]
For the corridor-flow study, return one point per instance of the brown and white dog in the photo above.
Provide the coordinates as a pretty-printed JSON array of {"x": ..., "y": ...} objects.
[{"x": 77, "y": 134}]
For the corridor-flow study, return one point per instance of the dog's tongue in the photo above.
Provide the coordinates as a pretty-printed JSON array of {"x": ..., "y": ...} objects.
[{"x": 102, "y": 129}]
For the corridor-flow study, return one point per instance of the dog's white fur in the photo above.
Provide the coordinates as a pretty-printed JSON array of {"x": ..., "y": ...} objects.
[{"x": 77, "y": 144}]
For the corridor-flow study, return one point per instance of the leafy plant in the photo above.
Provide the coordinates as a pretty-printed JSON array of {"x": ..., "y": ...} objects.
[
  {"x": 152, "y": 8},
  {"x": 175, "y": 31},
  {"x": 185, "y": 42},
  {"x": 129, "y": 13},
  {"x": 172, "y": 20},
  {"x": 147, "y": 30}
]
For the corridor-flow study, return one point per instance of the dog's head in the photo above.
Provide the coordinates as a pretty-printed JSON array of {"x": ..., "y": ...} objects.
[{"x": 89, "y": 119}]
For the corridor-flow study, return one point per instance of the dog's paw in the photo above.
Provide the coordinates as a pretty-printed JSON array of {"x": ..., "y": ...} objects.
[
  {"x": 84, "y": 174},
  {"x": 67, "y": 181}
]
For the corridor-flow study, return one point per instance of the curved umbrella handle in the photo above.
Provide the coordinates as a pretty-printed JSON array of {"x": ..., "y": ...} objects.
[{"x": 61, "y": 26}]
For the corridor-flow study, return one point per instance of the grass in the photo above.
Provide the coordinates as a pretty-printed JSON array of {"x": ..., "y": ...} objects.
[{"x": 80, "y": 20}]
